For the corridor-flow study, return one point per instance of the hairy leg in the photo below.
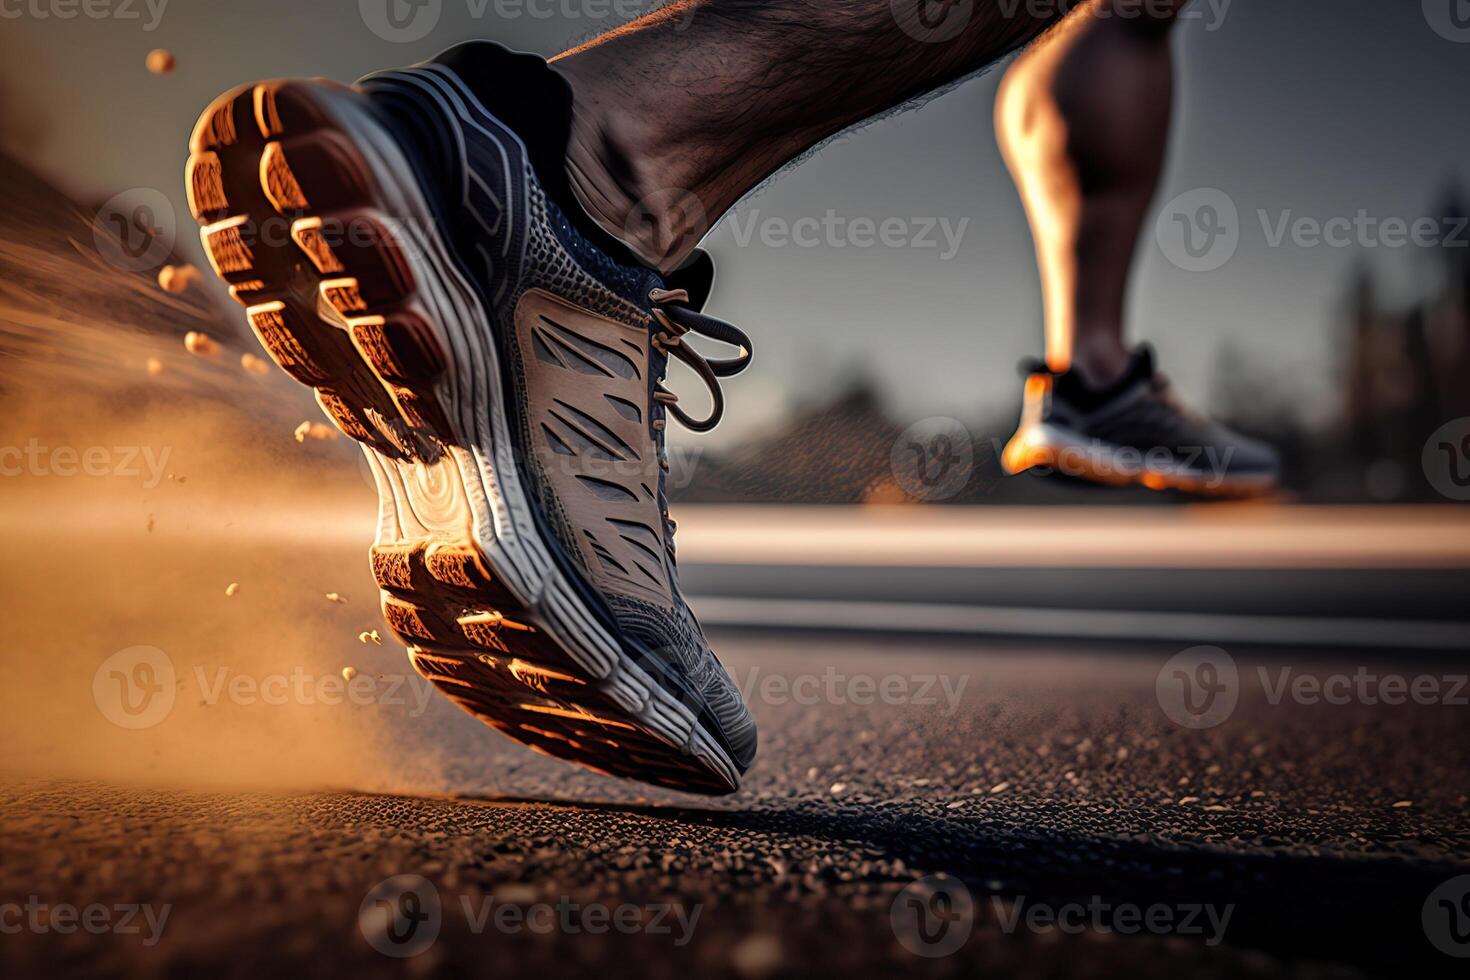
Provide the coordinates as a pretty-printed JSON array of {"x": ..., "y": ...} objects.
[
  {"x": 1083, "y": 120},
  {"x": 680, "y": 114}
]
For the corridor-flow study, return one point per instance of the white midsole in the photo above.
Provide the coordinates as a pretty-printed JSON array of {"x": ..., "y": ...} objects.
[{"x": 1065, "y": 444}]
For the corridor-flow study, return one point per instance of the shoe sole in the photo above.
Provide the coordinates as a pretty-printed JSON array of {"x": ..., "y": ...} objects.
[
  {"x": 312, "y": 217},
  {"x": 1069, "y": 454}
]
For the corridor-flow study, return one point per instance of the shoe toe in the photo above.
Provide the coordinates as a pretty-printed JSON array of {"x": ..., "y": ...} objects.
[
  {"x": 1254, "y": 457},
  {"x": 723, "y": 696}
]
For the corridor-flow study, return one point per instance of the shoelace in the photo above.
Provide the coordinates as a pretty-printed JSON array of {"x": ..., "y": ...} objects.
[{"x": 676, "y": 318}]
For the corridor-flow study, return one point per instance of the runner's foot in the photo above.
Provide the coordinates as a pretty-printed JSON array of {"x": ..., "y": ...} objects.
[
  {"x": 407, "y": 247},
  {"x": 1134, "y": 430}
]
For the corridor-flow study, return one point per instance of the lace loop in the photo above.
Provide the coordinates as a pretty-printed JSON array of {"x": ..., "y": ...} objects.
[{"x": 676, "y": 318}]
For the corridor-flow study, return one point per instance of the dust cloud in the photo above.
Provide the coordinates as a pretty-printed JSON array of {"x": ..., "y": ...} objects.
[{"x": 138, "y": 481}]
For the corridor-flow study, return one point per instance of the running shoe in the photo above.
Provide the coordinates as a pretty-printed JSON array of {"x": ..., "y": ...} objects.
[
  {"x": 408, "y": 247},
  {"x": 1133, "y": 431}
]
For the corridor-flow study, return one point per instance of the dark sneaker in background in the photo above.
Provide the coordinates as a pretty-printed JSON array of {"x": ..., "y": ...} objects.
[
  {"x": 409, "y": 248},
  {"x": 1133, "y": 431}
]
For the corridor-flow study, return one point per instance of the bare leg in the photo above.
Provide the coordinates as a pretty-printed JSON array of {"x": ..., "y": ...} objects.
[
  {"x": 680, "y": 114},
  {"x": 1083, "y": 120}
]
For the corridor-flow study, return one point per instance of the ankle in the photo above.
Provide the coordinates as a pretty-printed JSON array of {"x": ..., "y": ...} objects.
[
  {"x": 623, "y": 175},
  {"x": 1102, "y": 362}
]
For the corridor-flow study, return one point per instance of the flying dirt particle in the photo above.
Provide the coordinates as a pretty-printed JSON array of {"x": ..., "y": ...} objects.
[
  {"x": 200, "y": 344},
  {"x": 1403, "y": 804},
  {"x": 175, "y": 478},
  {"x": 150, "y": 523},
  {"x": 155, "y": 367},
  {"x": 177, "y": 278},
  {"x": 336, "y": 597},
  {"x": 839, "y": 788},
  {"x": 348, "y": 673},
  {"x": 315, "y": 431},
  {"x": 231, "y": 589},
  {"x": 254, "y": 365},
  {"x": 160, "y": 61},
  {"x": 370, "y": 636},
  {"x": 1000, "y": 787}
]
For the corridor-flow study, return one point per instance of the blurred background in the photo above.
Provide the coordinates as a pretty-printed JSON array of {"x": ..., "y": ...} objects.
[{"x": 1330, "y": 128}]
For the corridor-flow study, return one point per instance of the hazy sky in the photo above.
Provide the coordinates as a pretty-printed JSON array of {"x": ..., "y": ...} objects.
[{"x": 1313, "y": 109}]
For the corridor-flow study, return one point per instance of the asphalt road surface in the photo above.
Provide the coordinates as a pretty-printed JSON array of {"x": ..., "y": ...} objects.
[{"x": 1292, "y": 838}]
